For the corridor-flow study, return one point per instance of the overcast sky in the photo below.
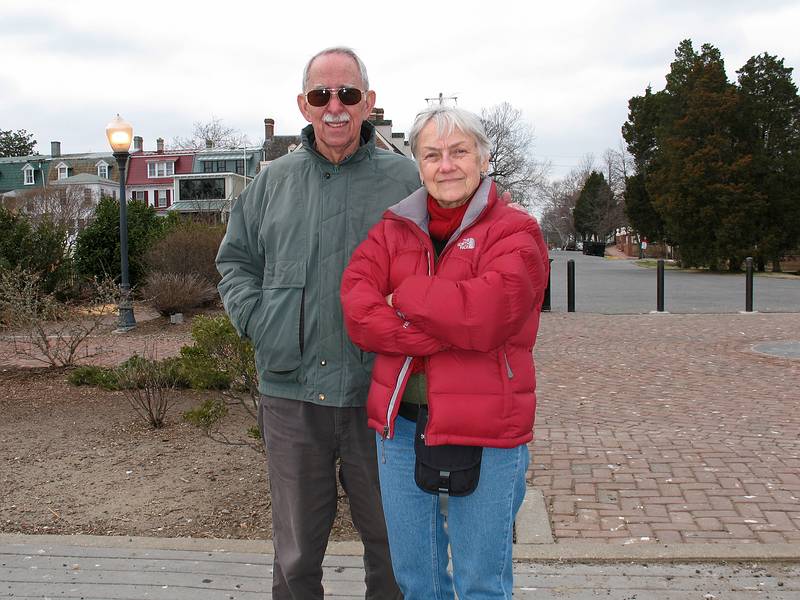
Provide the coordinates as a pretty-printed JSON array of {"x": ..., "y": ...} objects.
[{"x": 68, "y": 67}]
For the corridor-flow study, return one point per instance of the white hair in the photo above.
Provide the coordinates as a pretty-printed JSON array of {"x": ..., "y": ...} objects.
[
  {"x": 337, "y": 50},
  {"x": 449, "y": 119}
]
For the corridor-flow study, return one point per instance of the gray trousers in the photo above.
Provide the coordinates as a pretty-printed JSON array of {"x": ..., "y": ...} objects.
[{"x": 303, "y": 442}]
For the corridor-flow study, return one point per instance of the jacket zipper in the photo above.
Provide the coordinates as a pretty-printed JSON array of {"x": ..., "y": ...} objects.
[
  {"x": 399, "y": 382},
  {"x": 393, "y": 401},
  {"x": 509, "y": 372}
]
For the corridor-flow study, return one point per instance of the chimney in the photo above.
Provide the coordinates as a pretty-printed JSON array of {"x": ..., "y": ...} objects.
[
  {"x": 209, "y": 144},
  {"x": 269, "y": 129},
  {"x": 55, "y": 149},
  {"x": 160, "y": 145},
  {"x": 137, "y": 143}
]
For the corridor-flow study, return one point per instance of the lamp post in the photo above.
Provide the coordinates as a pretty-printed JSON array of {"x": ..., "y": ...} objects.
[{"x": 120, "y": 133}]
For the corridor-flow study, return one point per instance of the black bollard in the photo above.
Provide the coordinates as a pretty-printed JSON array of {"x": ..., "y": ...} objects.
[
  {"x": 748, "y": 286},
  {"x": 660, "y": 286},
  {"x": 570, "y": 285},
  {"x": 546, "y": 303}
]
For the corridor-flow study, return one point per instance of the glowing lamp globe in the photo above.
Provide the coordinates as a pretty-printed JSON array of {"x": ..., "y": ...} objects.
[{"x": 119, "y": 133}]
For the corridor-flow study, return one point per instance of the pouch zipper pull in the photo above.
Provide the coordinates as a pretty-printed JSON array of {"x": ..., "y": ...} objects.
[{"x": 383, "y": 446}]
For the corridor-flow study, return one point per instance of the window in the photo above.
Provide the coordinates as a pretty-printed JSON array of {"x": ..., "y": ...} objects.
[
  {"x": 202, "y": 189},
  {"x": 138, "y": 195},
  {"x": 102, "y": 169},
  {"x": 87, "y": 195},
  {"x": 63, "y": 171},
  {"x": 28, "y": 175},
  {"x": 160, "y": 169},
  {"x": 216, "y": 166},
  {"x": 162, "y": 198},
  {"x": 240, "y": 167}
]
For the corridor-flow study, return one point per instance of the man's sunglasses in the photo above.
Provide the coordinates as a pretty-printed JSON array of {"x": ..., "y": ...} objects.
[{"x": 347, "y": 96}]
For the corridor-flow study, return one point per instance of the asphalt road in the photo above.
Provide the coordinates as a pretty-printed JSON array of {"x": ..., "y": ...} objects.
[{"x": 618, "y": 286}]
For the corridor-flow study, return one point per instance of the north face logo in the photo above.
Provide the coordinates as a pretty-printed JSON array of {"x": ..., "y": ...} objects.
[{"x": 467, "y": 244}]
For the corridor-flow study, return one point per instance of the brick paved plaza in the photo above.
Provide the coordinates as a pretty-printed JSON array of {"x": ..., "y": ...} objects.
[
  {"x": 668, "y": 428},
  {"x": 655, "y": 428}
]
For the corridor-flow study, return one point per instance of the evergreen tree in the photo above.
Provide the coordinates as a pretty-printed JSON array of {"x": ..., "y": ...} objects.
[
  {"x": 40, "y": 247},
  {"x": 639, "y": 132},
  {"x": 701, "y": 182},
  {"x": 16, "y": 143},
  {"x": 97, "y": 251},
  {"x": 591, "y": 208},
  {"x": 771, "y": 128}
]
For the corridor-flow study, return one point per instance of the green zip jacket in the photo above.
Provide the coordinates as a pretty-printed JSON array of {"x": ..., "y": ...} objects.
[{"x": 289, "y": 238}]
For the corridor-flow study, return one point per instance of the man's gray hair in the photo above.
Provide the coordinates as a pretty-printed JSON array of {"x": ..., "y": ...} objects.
[
  {"x": 449, "y": 119},
  {"x": 337, "y": 50}
]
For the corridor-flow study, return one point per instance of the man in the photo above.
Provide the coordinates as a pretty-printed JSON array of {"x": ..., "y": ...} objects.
[{"x": 289, "y": 238}]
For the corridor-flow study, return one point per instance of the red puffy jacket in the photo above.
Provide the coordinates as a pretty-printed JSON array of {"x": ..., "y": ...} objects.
[{"x": 473, "y": 315}]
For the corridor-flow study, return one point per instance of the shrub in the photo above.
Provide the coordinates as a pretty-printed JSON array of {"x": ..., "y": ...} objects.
[
  {"x": 170, "y": 293},
  {"x": 49, "y": 330},
  {"x": 96, "y": 376},
  {"x": 40, "y": 248},
  {"x": 97, "y": 252},
  {"x": 207, "y": 414},
  {"x": 175, "y": 372},
  {"x": 190, "y": 248},
  {"x": 148, "y": 388},
  {"x": 220, "y": 356},
  {"x": 201, "y": 371}
]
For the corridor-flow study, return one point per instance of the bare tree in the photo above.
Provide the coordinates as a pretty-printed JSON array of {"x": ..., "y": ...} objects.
[
  {"x": 511, "y": 162},
  {"x": 617, "y": 165},
  {"x": 214, "y": 134},
  {"x": 68, "y": 207},
  {"x": 557, "y": 199},
  {"x": 45, "y": 329}
]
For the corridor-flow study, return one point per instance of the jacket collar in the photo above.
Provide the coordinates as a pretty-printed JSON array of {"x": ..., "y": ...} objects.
[
  {"x": 366, "y": 145},
  {"x": 414, "y": 208}
]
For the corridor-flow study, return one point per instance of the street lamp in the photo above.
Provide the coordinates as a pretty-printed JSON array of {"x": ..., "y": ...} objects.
[{"x": 120, "y": 134}]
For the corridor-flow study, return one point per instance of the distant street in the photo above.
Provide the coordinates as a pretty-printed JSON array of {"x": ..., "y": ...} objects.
[{"x": 622, "y": 287}]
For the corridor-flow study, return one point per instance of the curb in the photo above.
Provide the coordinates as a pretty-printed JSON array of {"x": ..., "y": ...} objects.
[{"x": 569, "y": 552}]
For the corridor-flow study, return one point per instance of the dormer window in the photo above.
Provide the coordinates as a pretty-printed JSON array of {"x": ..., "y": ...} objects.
[
  {"x": 28, "y": 175},
  {"x": 102, "y": 169},
  {"x": 160, "y": 169},
  {"x": 63, "y": 171}
]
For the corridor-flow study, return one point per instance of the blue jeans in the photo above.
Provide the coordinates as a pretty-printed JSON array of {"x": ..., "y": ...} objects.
[{"x": 479, "y": 526}]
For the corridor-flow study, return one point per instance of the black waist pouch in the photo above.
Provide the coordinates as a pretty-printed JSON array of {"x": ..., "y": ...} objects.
[{"x": 450, "y": 470}]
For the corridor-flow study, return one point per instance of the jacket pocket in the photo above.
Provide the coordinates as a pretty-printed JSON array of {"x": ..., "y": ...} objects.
[
  {"x": 277, "y": 337},
  {"x": 507, "y": 377}
]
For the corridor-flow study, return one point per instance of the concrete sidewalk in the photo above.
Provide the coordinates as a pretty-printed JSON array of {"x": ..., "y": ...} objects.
[{"x": 116, "y": 568}]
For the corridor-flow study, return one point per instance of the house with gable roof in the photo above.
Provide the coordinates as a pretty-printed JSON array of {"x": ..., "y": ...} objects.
[
  {"x": 151, "y": 174},
  {"x": 99, "y": 171},
  {"x": 384, "y": 136},
  {"x": 22, "y": 173},
  {"x": 87, "y": 176},
  {"x": 220, "y": 175}
]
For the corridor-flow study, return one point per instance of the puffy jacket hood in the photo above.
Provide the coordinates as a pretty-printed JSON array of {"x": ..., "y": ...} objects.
[{"x": 414, "y": 208}]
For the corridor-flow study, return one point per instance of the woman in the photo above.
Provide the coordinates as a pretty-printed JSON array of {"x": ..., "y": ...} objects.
[{"x": 447, "y": 290}]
